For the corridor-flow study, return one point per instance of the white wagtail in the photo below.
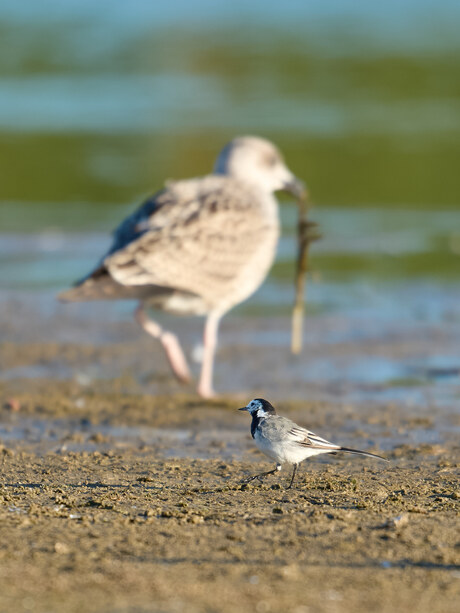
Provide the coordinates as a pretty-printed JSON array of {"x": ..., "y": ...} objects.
[{"x": 284, "y": 441}]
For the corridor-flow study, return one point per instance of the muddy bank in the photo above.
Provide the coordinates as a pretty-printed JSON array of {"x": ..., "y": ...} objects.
[
  {"x": 40, "y": 415},
  {"x": 110, "y": 522},
  {"x": 351, "y": 357},
  {"x": 126, "y": 532},
  {"x": 121, "y": 491}
]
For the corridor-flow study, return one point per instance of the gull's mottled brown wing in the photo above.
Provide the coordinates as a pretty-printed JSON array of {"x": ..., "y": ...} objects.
[{"x": 194, "y": 236}]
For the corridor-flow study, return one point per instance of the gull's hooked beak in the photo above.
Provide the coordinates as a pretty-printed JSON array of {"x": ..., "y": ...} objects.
[{"x": 296, "y": 187}]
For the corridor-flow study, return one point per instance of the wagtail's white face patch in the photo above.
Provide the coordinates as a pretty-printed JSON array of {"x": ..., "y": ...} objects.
[
  {"x": 255, "y": 406},
  {"x": 259, "y": 408}
]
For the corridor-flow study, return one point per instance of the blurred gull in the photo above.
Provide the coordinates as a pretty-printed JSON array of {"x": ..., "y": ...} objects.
[{"x": 198, "y": 247}]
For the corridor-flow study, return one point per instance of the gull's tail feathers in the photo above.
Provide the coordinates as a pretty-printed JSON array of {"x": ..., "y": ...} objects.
[{"x": 99, "y": 285}]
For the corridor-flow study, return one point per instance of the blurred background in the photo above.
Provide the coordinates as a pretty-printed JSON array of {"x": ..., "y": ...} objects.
[{"x": 100, "y": 102}]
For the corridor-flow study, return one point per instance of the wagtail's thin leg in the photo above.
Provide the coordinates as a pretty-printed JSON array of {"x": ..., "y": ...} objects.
[{"x": 293, "y": 476}]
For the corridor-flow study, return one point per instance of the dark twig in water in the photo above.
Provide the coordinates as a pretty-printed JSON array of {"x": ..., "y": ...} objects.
[{"x": 307, "y": 233}]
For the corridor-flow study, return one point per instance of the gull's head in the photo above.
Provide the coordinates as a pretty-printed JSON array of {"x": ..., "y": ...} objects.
[
  {"x": 259, "y": 407},
  {"x": 257, "y": 161}
]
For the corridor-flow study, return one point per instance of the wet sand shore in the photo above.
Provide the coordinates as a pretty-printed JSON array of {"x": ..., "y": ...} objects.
[
  {"x": 99, "y": 516},
  {"x": 120, "y": 491}
]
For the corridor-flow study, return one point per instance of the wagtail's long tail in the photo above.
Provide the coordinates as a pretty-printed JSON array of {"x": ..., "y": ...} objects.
[{"x": 359, "y": 452}]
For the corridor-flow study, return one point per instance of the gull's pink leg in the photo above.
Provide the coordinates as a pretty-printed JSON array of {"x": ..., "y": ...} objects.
[
  {"x": 170, "y": 343},
  {"x": 210, "y": 341}
]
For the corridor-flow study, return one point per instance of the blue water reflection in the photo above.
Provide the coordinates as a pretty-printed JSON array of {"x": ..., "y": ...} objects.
[{"x": 100, "y": 102}]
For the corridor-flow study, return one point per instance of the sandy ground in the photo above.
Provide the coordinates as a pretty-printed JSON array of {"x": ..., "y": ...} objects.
[
  {"x": 122, "y": 492},
  {"x": 99, "y": 516}
]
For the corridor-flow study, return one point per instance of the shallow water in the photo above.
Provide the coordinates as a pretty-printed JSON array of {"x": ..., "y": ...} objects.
[
  {"x": 98, "y": 107},
  {"x": 66, "y": 435}
]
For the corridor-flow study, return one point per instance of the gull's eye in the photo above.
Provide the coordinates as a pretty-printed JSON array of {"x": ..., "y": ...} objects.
[{"x": 271, "y": 159}]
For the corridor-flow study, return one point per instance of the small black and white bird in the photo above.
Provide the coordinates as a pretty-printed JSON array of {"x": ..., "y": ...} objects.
[{"x": 284, "y": 441}]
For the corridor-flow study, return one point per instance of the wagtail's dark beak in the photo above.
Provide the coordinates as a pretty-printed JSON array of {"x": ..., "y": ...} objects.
[
  {"x": 243, "y": 409},
  {"x": 296, "y": 187}
]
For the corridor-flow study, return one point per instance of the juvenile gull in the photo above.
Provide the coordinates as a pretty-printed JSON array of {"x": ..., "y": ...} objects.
[{"x": 198, "y": 247}]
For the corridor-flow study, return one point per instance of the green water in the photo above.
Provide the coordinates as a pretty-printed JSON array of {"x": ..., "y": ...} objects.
[
  {"x": 102, "y": 101},
  {"x": 98, "y": 107}
]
